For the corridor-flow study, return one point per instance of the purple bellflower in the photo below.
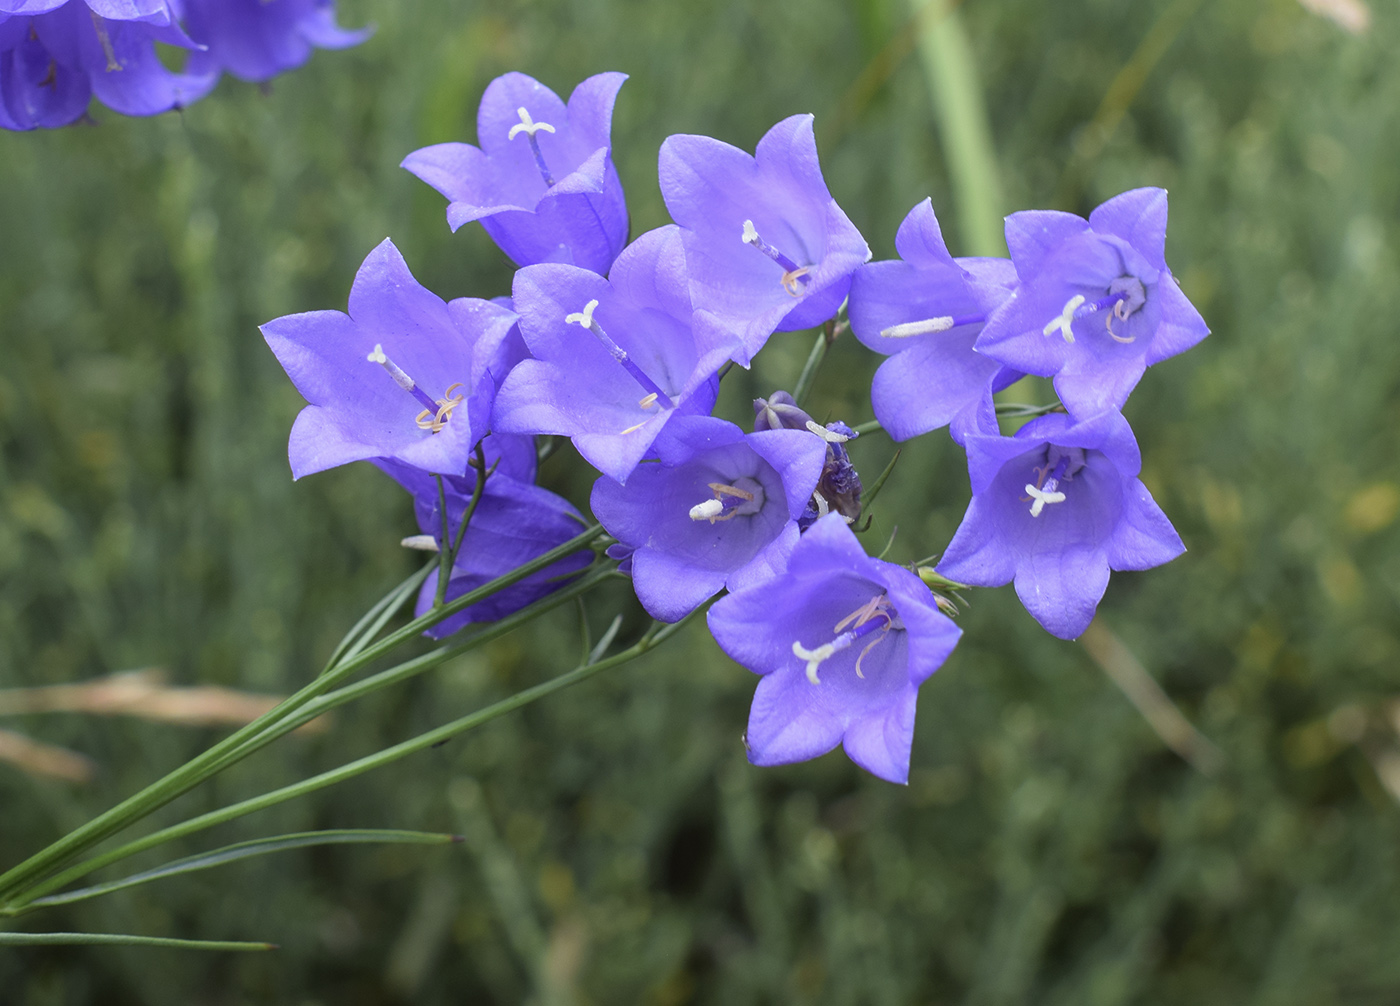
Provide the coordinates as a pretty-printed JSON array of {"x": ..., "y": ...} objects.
[
  {"x": 403, "y": 376},
  {"x": 924, "y": 312},
  {"x": 256, "y": 40},
  {"x": 515, "y": 522},
  {"x": 839, "y": 488},
  {"x": 766, "y": 246},
  {"x": 56, "y": 55},
  {"x": 719, "y": 510},
  {"x": 843, "y": 642},
  {"x": 1096, "y": 304},
  {"x": 613, "y": 359},
  {"x": 1054, "y": 508},
  {"x": 542, "y": 181}
]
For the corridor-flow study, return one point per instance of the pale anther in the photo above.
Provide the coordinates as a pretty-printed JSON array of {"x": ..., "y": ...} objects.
[
  {"x": 527, "y": 125},
  {"x": 708, "y": 510},
  {"x": 911, "y": 328},
  {"x": 830, "y": 436},
  {"x": 584, "y": 317},
  {"x": 648, "y": 401},
  {"x": 420, "y": 543},
  {"x": 1062, "y": 323},
  {"x": 1041, "y": 497},
  {"x": 631, "y": 429}
]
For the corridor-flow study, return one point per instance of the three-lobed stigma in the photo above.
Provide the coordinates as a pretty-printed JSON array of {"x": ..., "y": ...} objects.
[
  {"x": 794, "y": 276},
  {"x": 876, "y": 615},
  {"x": 436, "y": 412}
]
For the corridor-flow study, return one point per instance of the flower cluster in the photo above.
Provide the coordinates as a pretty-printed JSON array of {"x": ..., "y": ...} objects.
[
  {"x": 620, "y": 347},
  {"x": 56, "y": 55}
]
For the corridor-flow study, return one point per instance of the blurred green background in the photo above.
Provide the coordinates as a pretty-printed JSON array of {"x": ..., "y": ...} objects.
[{"x": 1049, "y": 849}]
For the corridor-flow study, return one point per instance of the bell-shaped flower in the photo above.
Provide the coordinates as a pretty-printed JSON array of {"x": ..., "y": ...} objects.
[
  {"x": 514, "y": 523},
  {"x": 403, "y": 376},
  {"x": 766, "y": 246},
  {"x": 1096, "y": 304},
  {"x": 719, "y": 510},
  {"x": 613, "y": 359},
  {"x": 1054, "y": 508},
  {"x": 843, "y": 642},
  {"x": 256, "y": 40},
  {"x": 56, "y": 56},
  {"x": 925, "y": 311},
  {"x": 542, "y": 180}
]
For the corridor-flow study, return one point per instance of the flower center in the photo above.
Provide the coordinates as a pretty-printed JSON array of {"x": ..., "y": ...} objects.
[
  {"x": 928, "y": 326},
  {"x": 1057, "y": 468},
  {"x": 875, "y": 615},
  {"x": 106, "y": 42},
  {"x": 436, "y": 412},
  {"x": 729, "y": 501},
  {"x": 584, "y": 319},
  {"x": 1126, "y": 295},
  {"x": 529, "y": 127},
  {"x": 794, "y": 276}
]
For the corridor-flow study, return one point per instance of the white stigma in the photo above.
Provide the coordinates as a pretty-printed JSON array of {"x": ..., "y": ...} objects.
[
  {"x": 584, "y": 317},
  {"x": 527, "y": 125},
  {"x": 708, "y": 510},
  {"x": 1066, "y": 318},
  {"x": 750, "y": 233},
  {"x": 830, "y": 436},
  {"x": 400, "y": 378},
  {"x": 814, "y": 658},
  {"x": 1043, "y": 496},
  {"x": 377, "y": 354},
  {"x": 911, "y": 328}
]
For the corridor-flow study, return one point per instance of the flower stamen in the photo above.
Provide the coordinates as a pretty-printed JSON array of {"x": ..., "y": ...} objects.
[
  {"x": 930, "y": 326},
  {"x": 407, "y": 384},
  {"x": 584, "y": 319},
  {"x": 529, "y": 127},
  {"x": 793, "y": 274},
  {"x": 875, "y": 615},
  {"x": 728, "y": 502}
]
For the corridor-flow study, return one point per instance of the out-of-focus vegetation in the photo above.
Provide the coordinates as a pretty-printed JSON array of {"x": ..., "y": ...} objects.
[{"x": 619, "y": 848}]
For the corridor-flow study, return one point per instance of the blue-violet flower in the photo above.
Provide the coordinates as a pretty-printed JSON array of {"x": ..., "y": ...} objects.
[
  {"x": 542, "y": 181},
  {"x": 843, "y": 642},
  {"x": 1054, "y": 508},
  {"x": 1096, "y": 304},
  {"x": 258, "y": 39}
]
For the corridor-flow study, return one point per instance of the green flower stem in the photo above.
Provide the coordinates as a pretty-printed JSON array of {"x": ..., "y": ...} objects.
[
  {"x": 871, "y": 427},
  {"x": 195, "y": 771},
  {"x": 116, "y": 939},
  {"x": 448, "y": 555},
  {"x": 375, "y": 619},
  {"x": 828, "y": 334},
  {"x": 654, "y": 636}
]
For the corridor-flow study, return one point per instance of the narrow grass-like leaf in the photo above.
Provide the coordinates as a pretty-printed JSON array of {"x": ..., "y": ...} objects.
[
  {"x": 123, "y": 940},
  {"x": 373, "y": 620},
  {"x": 868, "y": 496}
]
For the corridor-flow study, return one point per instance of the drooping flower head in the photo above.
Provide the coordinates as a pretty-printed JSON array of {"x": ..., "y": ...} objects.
[
  {"x": 718, "y": 510},
  {"x": 514, "y": 523},
  {"x": 55, "y": 55},
  {"x": 843, "y": 642},
  {"x": 767, "y": 247},
  {"x": 613, "y": 359},
  {"x": 1096, "y": 304},
  {"x": 1054, "y": 508},
  {"x": 258, "y": 39},
  {"x": 541, "y": 181},
  {"x": 403, "y": 376},
  {"x": 925, "y": 311},
  {"x": 839, "y": 487}
]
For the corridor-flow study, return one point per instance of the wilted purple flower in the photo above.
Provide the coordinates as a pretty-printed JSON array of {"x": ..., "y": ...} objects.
[
  {"x": 843, "y": 642},
  {"x": 514, "y": 523},
  {"x": 403, "y": 376},
  {"x": 839, "y": 487},
  {"x": 258, "y": 39},
  {"x": 57, "y": 54},
  {"x": 719, "y": 510},
  {"x": 542, "y": 181},
  {"x": 1096, "y": 305},
  {"x": 1055, "y": 508},
  {"x": 766, "y": 246},
  {"x": 614, "y": 359},
  {"x": 925, "y": 312}
]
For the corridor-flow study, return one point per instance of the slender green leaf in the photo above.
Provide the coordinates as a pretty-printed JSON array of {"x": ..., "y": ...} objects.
[{"x": 122, "y": 940}]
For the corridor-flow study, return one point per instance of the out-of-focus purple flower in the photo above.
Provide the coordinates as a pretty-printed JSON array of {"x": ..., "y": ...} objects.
[
  {"x": 613, "y": 359},
  {"x": 1055, "y": 508},
  {"x": 56, "y": 55},
  {"x": 924, "y": 312},
  {"x": 403, "y": 376},
  {"x": 514, "y": 523},
  {"x": 1096, "y": 304},
  {"x": 542, "y": 181},
  {"x": 258, "y": 39},
  {"x": 838, "y": 489},
  {"x": 843, "y": 642},
  {"x": 766, "y": 246},
  {"x": 719, "y": 510}
]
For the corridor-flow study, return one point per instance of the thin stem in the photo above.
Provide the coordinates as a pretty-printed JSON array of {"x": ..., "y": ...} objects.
[
  {"x": 448, "y": 554},
  {"x": 871, "y": 427},
  {"x": 657, "y": 634},
  {"x": 831, "y": 330},
  {"x": 444, "y": 553},
  {"x": 195, "y": 771},
  {"x": 1020, "y": 410}
]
